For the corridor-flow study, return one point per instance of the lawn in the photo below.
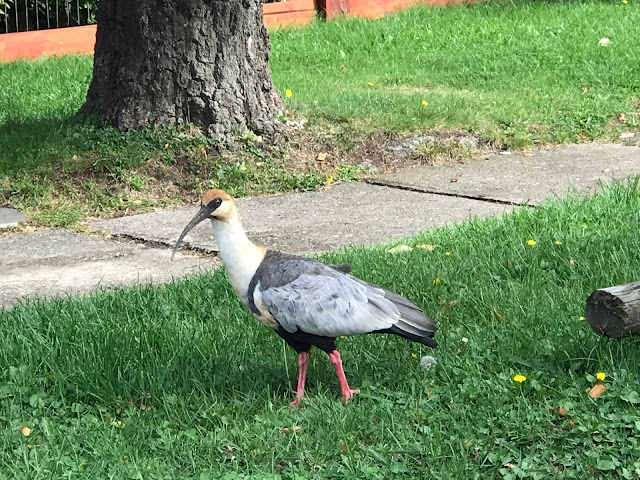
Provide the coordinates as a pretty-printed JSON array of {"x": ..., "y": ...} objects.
[
  {"x": 514, "y": 74},
  {"x": 178, "y": 381}
]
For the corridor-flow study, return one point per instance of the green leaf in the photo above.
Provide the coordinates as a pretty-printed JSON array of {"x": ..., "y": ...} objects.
[{"x": 631, "y": 397}]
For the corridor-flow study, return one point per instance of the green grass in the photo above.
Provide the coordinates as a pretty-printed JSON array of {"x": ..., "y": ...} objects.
[
  {"x": 515, "y": 74},
  {"x": 178, "y": 381},
  {"x": 61, "y": 169},
  {"x": 519, "y": 72}
]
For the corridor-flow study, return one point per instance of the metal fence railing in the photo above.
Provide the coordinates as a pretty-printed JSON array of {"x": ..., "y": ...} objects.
[{"x": 26, "y": 15}]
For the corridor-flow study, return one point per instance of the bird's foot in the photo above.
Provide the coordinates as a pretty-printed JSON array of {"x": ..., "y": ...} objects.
[
  {"x": 296, "y": 402},
  {"x": 348, "y": 394}
]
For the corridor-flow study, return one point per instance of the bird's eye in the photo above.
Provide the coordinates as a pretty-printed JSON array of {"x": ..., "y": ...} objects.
[{"x": 217, "y": 202}]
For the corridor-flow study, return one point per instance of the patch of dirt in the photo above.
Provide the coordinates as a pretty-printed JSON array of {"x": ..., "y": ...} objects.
[
  {"x": 385, "y": 152},
  {"x": 308, "y": 150}
]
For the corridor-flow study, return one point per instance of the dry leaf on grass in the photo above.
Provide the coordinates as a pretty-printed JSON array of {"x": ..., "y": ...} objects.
[
  {"x": 449, "y": 305},
  {"x": 562, "y": 411},
  {"x": 322, "y": 157},
  {"x": 26, "y": 431},
  {"x": 400, "y": 249},
  {"x": 295, "y": 428},
  {"x": 498, "y": 315},
  {"x": 426, "y": 246}
]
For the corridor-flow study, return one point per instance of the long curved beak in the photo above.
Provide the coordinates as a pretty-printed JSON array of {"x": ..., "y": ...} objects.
[{"x": 202, "y": 214}]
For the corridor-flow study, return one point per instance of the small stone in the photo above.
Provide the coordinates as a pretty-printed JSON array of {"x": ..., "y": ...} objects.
[{"x": 10, "y": 217}]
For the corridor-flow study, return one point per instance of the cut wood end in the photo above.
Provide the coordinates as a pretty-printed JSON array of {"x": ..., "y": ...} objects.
[{"x": 597, "y": 390}]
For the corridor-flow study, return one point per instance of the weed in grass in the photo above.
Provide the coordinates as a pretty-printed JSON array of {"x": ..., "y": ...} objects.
[
  {"x": 180, "y": 379},
  {"x": 436, "y": 151}
]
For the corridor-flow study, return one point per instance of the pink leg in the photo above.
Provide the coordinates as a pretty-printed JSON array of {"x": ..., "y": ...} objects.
[
  {"x": 347, "y": 392},
  {"x": 303, "y": 360}
]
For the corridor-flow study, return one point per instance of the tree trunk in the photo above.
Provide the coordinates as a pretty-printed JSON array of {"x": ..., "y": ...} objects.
[
  {"x": 615, "y": 311},
  {"x": 203, "y": 61}
]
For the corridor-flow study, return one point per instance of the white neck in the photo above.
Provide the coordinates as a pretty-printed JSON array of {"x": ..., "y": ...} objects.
[{"x": 240, "y": 256}]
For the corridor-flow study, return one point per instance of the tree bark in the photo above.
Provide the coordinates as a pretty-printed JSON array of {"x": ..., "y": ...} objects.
[
  {"x": 202, "y": 61},
  {"x": 615, "y": 311}
]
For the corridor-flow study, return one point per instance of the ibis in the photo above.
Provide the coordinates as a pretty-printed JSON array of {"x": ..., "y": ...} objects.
[{"x": 306, "y": 302}]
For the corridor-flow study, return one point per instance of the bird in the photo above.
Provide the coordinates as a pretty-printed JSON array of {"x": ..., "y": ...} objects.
[{"x": 306, "y": 302}]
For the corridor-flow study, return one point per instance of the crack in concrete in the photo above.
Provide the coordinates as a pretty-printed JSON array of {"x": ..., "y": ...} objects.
[
  {"x": 401, "y": 186},
  {"x": 200, "y": 252}
]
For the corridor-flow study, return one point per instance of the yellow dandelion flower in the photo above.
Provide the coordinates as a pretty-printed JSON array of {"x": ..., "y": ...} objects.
[
  {"x": 624, "y": 2},
  {"x": 424, "y": 102},
  {"x": 413, "y": 355},
  {"x": 436, "y": 281},
  {"x": 370, "y": 84},
  {"x": 558, "y": 242},
  {"x": 531, "y": 242},
  {"x": 581, "y": 319},
  {"x": 288, "y": 93},
  {"x": 519, "y": 378},
  {"x": 329, "y": 179},
  {"x": 601, "y": 376},
  {"x": 447, "y": 254}
]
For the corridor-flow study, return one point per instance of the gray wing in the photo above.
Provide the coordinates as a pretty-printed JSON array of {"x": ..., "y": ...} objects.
[{"x": 323, "y": 301}]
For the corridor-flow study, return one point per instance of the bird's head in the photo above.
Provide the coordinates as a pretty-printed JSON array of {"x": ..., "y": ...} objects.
[{"x": 215, "y": 205}]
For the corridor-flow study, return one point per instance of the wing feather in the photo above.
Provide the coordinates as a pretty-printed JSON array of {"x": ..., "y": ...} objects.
[{"x": 322, "y": 301}]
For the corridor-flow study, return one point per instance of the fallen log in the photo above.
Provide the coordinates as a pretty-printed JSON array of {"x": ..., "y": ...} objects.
[{"x": 615, "y": 311}]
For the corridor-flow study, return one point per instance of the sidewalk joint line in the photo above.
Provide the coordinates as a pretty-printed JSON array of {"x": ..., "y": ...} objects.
[{"x": 399, "y": 186}]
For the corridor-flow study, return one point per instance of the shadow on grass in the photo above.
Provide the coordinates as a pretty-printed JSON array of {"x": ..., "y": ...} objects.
[
  {"x": 72, "y": 144},
  {"x": 27, "y": 146}
]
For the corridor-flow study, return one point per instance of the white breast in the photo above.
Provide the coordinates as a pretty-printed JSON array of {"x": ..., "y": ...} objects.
[{"x": 265, "y": 316}]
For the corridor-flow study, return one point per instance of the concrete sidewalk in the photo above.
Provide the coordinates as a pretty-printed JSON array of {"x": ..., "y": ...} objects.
[
  {"x": 392, "y": 206},
  {"x": 524, "y": 177}
]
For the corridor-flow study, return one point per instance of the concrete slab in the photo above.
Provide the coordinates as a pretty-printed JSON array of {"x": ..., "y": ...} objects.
[
  {"x": 10, "y": 217},
  {"x": 519, "y": 178},
  {"x": 346, "y": 214},
  {"x": 55, "y": 262}
]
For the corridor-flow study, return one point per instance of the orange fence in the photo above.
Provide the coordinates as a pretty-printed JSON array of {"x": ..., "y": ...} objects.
[
  {"x": 61, "y": 41},
  {"x": 58, "y": 41}
]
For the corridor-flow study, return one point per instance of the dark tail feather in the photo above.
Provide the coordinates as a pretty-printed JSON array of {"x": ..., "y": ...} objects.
[
  {"x": 425, "y": 338},
  {"x": 413, "y": 325},
  {"x": 342, "y": 267}
]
